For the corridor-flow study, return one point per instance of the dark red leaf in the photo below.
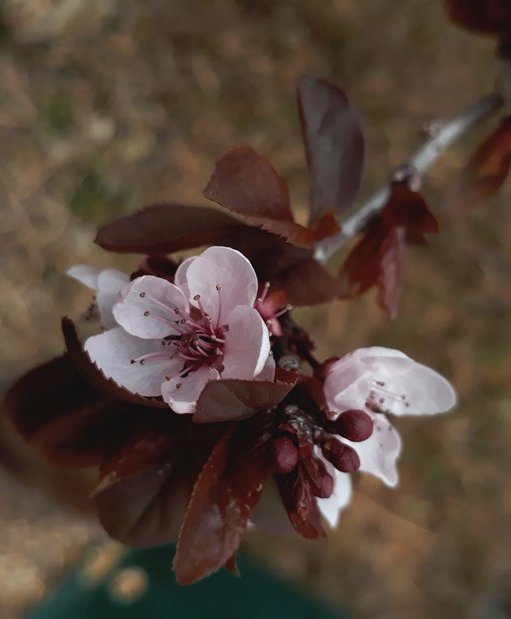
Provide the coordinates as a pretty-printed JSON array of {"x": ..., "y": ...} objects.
[
  {"x": 390, "y": 275},
  {"x": 300, "y": 504},
  {"x": 224, "y": 495},
  {"x": 146, "y": 482},
  {"x": 334, "y": 146},
  {"x": 377, "y": 258},
  {"x": 292, "y": 269},
  {"x": 492, "y": 17},
  {"x": 55, "y": 409},
  {"x": 94, "y": 376},
  {"x": 488, "y": 167},
  {"x": 159, "y": 266},
  {"x": 247, "y": 184},
  {"x": 407, "y": 208},
  {"x": 361, "y": 269},
  {"x": 232, "y": 400},
  {"x": 164, "y": 228}
]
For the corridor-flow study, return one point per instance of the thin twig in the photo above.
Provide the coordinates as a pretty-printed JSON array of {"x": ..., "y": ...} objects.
[{"x": 443, "y": 136}]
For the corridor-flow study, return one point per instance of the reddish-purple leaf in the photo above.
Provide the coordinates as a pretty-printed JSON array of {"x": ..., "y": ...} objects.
[
  {"x": 292, "y": 269},
  {"x": 94, "y": 376},
  {"x": 146, "y": 482},
  {"x": 407, "y": 208},
  {"x": 361, "y": 268},
  {"x": 164, "y": 228},
  {"x": 55, "y": 409},
  {"x": 377, "y": 258},
  {"x": 492, "y": 17},
  {"x": 300, "y": 503},
  {"x": 391, "y": 271},
  {"x": 488, "y": 167},
  {"x": 224, "y": 495},
  {"x": 247, "y": 184},
  {"x": 334, "y": 145},
  {"x": 233, "y": 400}
]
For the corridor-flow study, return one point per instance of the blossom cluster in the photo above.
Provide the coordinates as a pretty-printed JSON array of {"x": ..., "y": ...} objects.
[{"x": 198, "y": 396}]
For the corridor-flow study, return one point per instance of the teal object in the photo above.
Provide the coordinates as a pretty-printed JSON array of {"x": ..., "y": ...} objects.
[{"x": 256, "y": 595}]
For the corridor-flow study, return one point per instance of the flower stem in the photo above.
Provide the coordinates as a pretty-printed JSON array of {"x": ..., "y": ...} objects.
[{"x": 441, "y": 138}]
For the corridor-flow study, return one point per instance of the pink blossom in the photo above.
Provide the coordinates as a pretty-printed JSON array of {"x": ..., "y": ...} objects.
[
  {"x": 382, "y": 381},
  {"x": 171, "y": 339}
]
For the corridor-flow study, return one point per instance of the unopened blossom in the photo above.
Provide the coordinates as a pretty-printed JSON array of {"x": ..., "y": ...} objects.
[
  {"x": 379, "y": 381},
  {"x": 172, "y": 338}
]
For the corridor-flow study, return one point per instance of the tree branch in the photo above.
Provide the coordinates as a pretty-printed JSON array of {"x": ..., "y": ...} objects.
[{"x": 442, "y": 137}]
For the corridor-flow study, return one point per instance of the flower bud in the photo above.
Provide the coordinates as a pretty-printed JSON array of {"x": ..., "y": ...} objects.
[
  {"x": 285, "y": 455},
  {"x": 354, "y": 425},
  {"x": 343, "y": 457}
]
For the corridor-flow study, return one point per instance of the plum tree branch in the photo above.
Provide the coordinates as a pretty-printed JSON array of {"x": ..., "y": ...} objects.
[{"x": 442, "y": 136}]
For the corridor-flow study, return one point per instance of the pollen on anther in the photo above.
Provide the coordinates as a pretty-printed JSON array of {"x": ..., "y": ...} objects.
[
  {"x": 142, "y": 294},
  {"x": 196, "y": 297},
  {"x": 179, "y": 385},
  {"x": 146, "y": 313},
  {"x": 218, "y": 286},
  {"x": 167, "y": 377}
]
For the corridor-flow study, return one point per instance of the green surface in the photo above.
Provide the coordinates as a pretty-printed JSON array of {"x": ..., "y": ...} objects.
[{"x": 256, "y": 594}]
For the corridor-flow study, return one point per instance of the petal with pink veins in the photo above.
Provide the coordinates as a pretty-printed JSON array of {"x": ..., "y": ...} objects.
[
  {"x": 113, "y": 352},
  {"x": 223, "y": 278},
  {"x": 181, "y": 394},
  {"x": 247, "y": 344},
  {"x": 151, "y": 308}
]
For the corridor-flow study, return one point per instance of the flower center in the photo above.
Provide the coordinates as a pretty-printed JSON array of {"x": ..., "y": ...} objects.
[
  {"x": 380, "y": 398},
  {"x": 201, "y": 342}
]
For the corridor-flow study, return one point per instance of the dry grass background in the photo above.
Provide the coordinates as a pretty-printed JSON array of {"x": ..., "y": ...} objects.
[{"x": 108, "y": 104}]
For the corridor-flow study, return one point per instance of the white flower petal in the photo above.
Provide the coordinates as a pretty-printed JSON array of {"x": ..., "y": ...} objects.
[
  {"x": 223, "y": 278},
  {"x": 113, "y": 352},
  {"x": 151, "y": 308},
  {"x": 181, "y": 394},
  {"x": 332, "y": 507},
  {"x": 389, "y": 379},
  {"x": 419, "y": 391},
  {"x": 379, "y": 453},
  {"x": 86, "y": 275},
  {"x": 268, "y": 371},
  {"x": 247, "y": 344},
  {"x": 110, "y": 283}
]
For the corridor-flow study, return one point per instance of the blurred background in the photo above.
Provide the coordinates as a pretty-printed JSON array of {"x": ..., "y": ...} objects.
[{"x": 106, "y": 105}]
